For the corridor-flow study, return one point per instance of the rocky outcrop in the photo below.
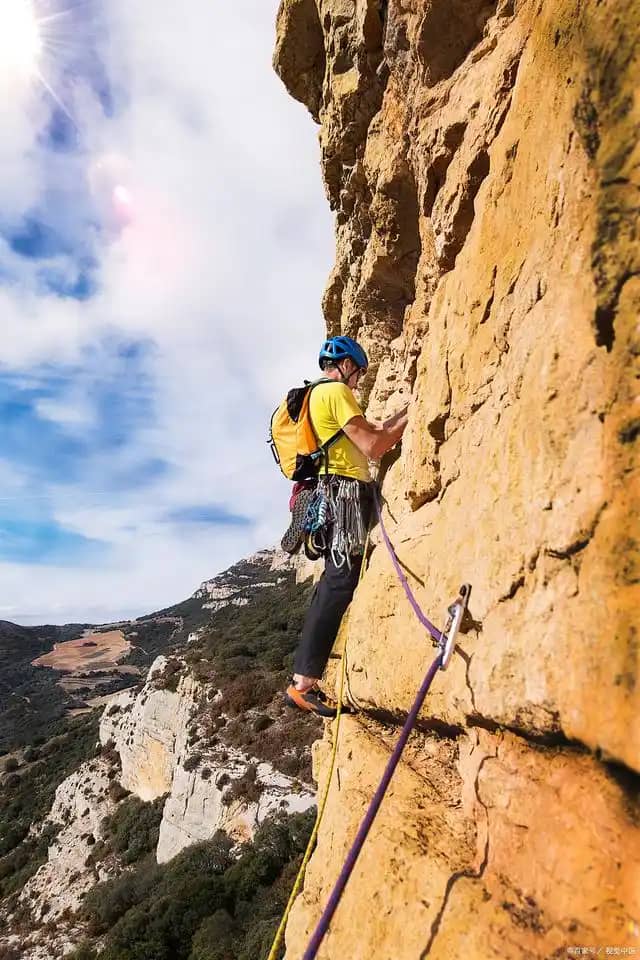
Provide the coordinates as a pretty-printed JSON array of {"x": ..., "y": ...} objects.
[
  {"x": 482, "y": 161},
  {"x": 237, "y": 586},
  {"x": 198, "y": 806},
  {"x": 155, "y": 743},
  {"x": 44, "y": 912},
  {"x": 479, "y": 841},
  {"x": 164, "y": 750},
  {"x": 81, "y": 803},
  {"x": 303, "y": 568},
  {"x": 149, "y": 730}
]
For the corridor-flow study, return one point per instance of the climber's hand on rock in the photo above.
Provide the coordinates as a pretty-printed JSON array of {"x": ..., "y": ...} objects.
[{"x": 395, "y": 425}]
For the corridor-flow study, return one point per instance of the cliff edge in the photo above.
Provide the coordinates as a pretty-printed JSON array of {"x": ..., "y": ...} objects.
[{"x": 483, "y": 162}]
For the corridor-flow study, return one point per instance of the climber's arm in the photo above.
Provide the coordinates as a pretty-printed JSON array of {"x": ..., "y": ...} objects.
[{"x": 374, "y": 439}]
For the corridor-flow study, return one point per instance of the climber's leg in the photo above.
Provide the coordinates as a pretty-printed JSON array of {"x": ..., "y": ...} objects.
[
  {"x": 330, "y": 600},
  {"x": 304, "y": 683}
]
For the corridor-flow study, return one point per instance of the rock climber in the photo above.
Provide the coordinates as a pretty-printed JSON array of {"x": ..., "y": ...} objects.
[{"x": 346, "y": 481}]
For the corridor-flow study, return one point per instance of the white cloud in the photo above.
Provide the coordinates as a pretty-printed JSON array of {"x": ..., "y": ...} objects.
[
  {"x": 69, "y": 414},
  {"x": 222, "y": 266}
]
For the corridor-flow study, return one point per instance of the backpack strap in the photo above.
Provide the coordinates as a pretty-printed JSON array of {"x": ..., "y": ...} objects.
[{"x": 323, "y": 448}]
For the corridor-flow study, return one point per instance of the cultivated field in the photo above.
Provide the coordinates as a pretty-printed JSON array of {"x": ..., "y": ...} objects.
[{"x": 90, "y": 652}]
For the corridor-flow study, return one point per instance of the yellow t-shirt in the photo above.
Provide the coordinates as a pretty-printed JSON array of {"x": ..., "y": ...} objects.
[{"x": 331, "y": 406}]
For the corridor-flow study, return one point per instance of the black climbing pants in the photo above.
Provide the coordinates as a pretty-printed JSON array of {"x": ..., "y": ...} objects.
[{"x": 330, "y": 600}]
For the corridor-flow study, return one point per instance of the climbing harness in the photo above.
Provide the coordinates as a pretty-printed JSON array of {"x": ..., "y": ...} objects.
[{"x": 446, "y": 642}]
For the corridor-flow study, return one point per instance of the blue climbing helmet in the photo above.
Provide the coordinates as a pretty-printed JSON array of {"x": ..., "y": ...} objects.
[{"x": 339, "y": 348}]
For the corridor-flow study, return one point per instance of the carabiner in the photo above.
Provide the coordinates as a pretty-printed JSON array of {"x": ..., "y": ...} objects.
[{"x": 454, "y": 619}]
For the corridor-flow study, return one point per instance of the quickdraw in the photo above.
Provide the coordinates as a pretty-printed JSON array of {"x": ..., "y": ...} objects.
[
  {"x": 319, "y": 512},
  {"x": 450, "y": 633},
  {"x": 334, "y": 519}
]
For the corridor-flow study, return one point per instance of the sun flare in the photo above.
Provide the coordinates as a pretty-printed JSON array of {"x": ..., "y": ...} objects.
[{"x": 20, "y": 40}]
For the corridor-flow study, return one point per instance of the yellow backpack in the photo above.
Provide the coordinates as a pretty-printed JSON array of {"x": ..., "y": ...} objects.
[{"x": 293, "y": 440}]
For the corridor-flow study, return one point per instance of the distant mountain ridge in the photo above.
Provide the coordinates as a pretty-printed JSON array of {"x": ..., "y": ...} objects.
[{"x": 31, "y": 698}]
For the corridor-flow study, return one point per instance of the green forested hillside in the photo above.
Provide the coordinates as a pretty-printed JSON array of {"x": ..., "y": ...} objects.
[
  {"x": 206, "y": 904},
  {"x": 30, "y": 700},
  {"x": 27, "y": 789}
]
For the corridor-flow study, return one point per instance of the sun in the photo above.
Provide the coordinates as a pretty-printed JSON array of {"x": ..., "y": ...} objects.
[{"x": 20, "y": 40}]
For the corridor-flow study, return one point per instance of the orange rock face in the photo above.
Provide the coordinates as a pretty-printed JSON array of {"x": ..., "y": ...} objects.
[
  {"x": 483, "y": 162},
  {"x": 484, "y": 846}
]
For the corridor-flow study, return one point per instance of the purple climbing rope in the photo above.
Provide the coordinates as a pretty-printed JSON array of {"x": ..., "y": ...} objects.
[{"x": 350, "y": 862}]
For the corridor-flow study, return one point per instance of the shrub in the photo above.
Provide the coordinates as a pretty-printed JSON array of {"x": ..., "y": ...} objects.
[
  {"x": 246, "y": 787},
  {"x": 201, "y": 669},
  {"x": 132, "y": 830},
  {"x": 214, "y": 938},
  {"x": 205, "y": 773},
  {"x": 169, "y": 677},
  {"x": 262, "y": 722},
  {"x": 116, "y": 791},
  {"x": 30, "y": 754},
  {"x": 286, "y": 744},
  {"x": 192, "y": 762},
  {"x": 110, "y": 752},
  {"x": 253, "y": 689},
  {"x": 238, "y": 733},
  {"x": 30, "y": 799},
  {"x": 154, "y": 911},
  {"x": 51, "y": 746},
  {"x": 99, "y": 852},
  {"x": 9, "y": 952},
  {"x": 23, "y": 861},
  {"x": 84, "y": 952},
  {"x": 107, "y": 902},
  {"x": 202, "y": 905},
  {"x": 10, "y": 765}
]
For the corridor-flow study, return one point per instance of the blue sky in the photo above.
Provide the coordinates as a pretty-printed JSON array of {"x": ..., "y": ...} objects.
[{"x": 164, "y": 243}]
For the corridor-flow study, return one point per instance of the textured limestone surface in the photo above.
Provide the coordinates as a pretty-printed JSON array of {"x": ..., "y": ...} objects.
[
  {"x": 196, "y": 809},
  {"x": 80, "y": 805},
  {"x": 482, "y": 159},
  {"x": 149, "y": 730},
  {"x": 161, "y": 752}
]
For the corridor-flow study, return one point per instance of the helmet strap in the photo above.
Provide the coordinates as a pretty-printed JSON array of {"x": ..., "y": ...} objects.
[
  {"x": 342, "y": 373},
  {"x": 347, "y": 377}
]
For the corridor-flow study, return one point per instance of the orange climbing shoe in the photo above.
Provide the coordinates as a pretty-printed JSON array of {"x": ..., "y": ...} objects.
[{"x": 312, "y": 700}]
